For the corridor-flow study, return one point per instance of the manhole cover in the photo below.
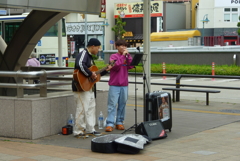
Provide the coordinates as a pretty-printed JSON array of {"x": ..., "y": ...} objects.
[{"x": 230, "y": 111}]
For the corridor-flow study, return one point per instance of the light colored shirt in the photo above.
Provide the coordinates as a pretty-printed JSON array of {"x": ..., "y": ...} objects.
[{"x": 33, "y": 62}]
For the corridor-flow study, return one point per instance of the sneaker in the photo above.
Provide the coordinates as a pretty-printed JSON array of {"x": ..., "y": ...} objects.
[
  {"x": 95, "y": 133},
  {"x": 82, "y": 135}
]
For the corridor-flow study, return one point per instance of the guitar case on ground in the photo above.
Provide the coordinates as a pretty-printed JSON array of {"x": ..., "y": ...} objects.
[
  {"x": 159, "y": 106},
  {"x": 123, "y": 143}
]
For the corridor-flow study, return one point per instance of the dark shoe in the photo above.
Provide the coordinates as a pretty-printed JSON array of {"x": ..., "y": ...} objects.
[
  {"x": 95, "y": 133},
  {"x": 109, "y": 129},
  {"x": 120, "y": 127},
  {"x": 82, "y": 135}
]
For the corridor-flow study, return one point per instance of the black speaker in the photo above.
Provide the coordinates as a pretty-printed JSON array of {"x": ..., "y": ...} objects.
[{"x": 153, "y": 129}]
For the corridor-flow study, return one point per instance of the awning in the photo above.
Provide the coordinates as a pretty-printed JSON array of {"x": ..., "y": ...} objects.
[
  {"x": 174, "y": 36},
  {"x": 137, "y": 38}
]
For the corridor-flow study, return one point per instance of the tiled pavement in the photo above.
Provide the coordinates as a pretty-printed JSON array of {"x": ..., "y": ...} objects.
[
  {"x": 221, "y": 143},
  {"x": 199, "y": 132}
]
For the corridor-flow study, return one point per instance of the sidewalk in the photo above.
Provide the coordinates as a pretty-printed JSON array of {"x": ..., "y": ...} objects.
[
  {"x": 199, "y": 132},
  {"x": 221, "y": 143}
]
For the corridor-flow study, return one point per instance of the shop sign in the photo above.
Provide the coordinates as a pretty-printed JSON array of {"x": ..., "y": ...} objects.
[
  {"x": 78, "y": 28},
  {"x": 128, "y": 34},
  {"x": 227, "y": 3},
  {"x": 47, "y": 59},
  {"x": 130, "y": 10},
  {"x": 72, "y": 47},
  {"x": 103, "y": 9}
]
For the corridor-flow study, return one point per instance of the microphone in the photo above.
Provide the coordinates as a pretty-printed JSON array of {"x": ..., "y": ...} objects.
[{"x": 138, "y": 48}]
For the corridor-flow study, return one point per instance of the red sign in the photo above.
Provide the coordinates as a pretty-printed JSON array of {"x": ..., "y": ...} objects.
[
  {"x": 103, "y": 8},
  {"x": 72, "y": 47}
]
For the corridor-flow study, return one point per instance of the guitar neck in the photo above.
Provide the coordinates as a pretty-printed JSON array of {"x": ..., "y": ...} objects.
[{"x": 101, "y": 70}]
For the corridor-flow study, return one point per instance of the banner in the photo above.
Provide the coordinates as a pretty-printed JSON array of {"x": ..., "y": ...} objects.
[
  {"x": 227, "y": 3},
  {"x": 72, "y": 47},
  {"x": 78, "y": 28},
  {"x": 130, "y": 10},
  {"x": 103, "y": 9}
]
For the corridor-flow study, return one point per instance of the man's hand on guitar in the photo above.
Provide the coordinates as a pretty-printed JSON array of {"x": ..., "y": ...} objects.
[
  {"x": 111, "y": 64},
  {"x": 109, "y": 67},
  {"x": 94, "y": 76}
]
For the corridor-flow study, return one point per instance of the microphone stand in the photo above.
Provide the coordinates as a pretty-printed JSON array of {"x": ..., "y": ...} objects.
[{"x": 135, "y": 63}]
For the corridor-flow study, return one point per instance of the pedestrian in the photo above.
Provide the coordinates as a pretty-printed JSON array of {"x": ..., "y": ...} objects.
[
  {"x": 32, "y": 61},
  {"x": 118, "y": 86},
  {"x": 85, "y": 117}
]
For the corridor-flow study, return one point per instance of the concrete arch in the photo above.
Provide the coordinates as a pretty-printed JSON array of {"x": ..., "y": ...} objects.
[
  {"x": 23, "y": 42},
  {"x": 25, "y": 39}
]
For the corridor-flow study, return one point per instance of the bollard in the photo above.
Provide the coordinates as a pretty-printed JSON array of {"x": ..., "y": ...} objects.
[
  {"x": 66, "y": 62},
  {"x": 164, "y": 70},
  {"x": 213, "y": 70}
]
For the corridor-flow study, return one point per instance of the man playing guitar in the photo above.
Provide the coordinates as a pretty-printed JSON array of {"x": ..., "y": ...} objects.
[{"x": 85, "y": 118}]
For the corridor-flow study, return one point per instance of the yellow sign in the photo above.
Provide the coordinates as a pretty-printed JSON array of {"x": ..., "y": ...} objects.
[{"x": 128, "y": 34}]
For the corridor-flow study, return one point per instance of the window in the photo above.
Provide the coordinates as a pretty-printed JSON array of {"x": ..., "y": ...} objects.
[
  {"x": 227, "y": 17},
  {"x": 53, "y": 31},
  {"x": 227, "y": 9},
  {"x": 235, "y": 17},
  {"x": 231, "y": 15}
]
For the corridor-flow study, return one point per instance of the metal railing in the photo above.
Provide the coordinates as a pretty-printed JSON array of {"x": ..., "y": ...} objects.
[
  {"x": 177, "y": 84},
  {"x": 41, "y": 75}
]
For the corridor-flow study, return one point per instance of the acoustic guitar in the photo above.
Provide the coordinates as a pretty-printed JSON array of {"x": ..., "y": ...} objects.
[{"x": 84, "y": 83}]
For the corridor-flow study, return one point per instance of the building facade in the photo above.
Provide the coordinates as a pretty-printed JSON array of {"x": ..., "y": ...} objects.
[{"x": 223, "y": 16}]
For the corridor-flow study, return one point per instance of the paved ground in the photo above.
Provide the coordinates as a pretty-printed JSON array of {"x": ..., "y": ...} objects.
[{"x": 199, "y": 132}]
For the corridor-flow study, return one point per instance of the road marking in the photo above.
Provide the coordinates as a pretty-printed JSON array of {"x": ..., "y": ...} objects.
[{"x": 199, "y": 111}]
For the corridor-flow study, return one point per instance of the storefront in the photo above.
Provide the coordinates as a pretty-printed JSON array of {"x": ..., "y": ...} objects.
[
  {"x": 132, "y": 14},
  {"x": 76, "y": 35}
]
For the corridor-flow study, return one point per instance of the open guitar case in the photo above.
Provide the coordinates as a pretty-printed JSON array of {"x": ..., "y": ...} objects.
[{"x": 123, "y": 143}]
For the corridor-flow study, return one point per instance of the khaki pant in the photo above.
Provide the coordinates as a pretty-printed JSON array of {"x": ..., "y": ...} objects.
[{"x": 85, "y": 118}]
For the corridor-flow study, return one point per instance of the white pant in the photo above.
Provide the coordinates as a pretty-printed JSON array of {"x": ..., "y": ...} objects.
[{"x": 85, "y": 117}]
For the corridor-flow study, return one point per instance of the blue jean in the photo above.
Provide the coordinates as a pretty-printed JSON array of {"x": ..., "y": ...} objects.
[{"x": 117, "y": 95}]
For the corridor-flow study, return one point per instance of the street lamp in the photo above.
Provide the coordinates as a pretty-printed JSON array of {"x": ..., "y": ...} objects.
[{"x": 205, "y": 19}]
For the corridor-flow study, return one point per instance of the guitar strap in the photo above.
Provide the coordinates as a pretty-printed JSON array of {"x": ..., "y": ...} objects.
[{"x": 94, "y": 86}]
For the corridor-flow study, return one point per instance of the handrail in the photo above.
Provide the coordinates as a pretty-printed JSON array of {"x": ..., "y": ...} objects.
[
  {"x": 52, "y": 72},
  {"x": 42, "y": 75}
]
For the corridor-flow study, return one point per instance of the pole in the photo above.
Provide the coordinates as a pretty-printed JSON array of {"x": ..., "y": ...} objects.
[
  {"x": 213, "y": 70},
  {"x": 146, "y": 41},
  {"x": 164, "y": 69},
  {"x": 60, "y": 64},
  {"x": 203, "y": 35},
  {"x": 86, "y": 29}
]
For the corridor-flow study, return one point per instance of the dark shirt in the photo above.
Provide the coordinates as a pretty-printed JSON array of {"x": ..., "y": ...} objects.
[{"x": 83, "y": 62}]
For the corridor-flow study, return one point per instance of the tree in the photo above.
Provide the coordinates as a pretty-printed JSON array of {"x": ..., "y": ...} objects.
[
  {"x": 118, "y": 28},
  {"x": 238, "y": 25}
]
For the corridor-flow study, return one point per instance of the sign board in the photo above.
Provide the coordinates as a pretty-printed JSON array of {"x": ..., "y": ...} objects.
[
  {"x": 78, "y": 28},
  {"x": 131, "y": 10},
  {"x": 39, "y": 43},
  {"x": 3, "y": 12},
  {"x": 47, "y": 59},
  {"x": 128, "y": 34},
  {"x": 103, "y": 9},
  {"x": 227, "y": 3},
  {"x": 111, "y": 42},
  {"x": 72, "y": 47}
]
